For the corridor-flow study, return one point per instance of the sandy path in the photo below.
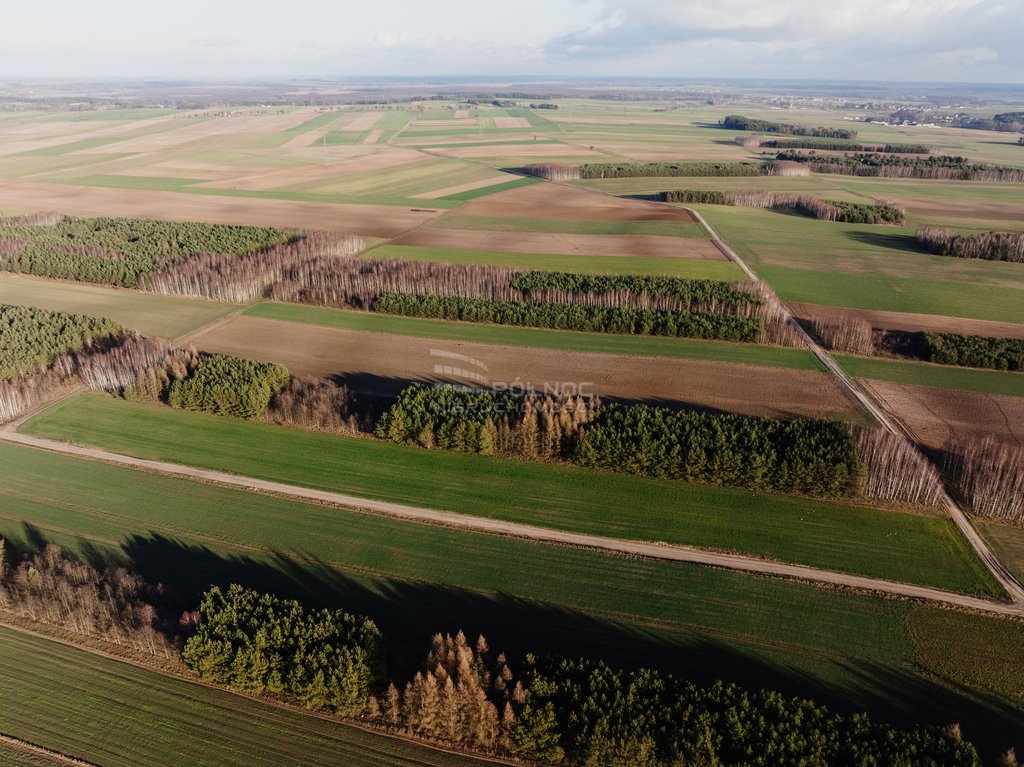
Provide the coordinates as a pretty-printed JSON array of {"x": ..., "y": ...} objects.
[
  {"x": 673, "y": 553},
  {"x": 627, "y": 245},
  {"x": 383, "y": 363},
  {"x": 372, "y": 220},
  {"x": 913, "y": 322}
]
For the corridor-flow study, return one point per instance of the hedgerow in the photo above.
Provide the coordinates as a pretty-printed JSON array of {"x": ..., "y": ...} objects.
[
  {"x": 807, "y": 456},
  {"x": 325, "y": 659},
  {"x": 652, "y": 169},
  {"x": 595, "y": 319},
  {"x": 585, "y": 712},
  {"x": 229, "y": 386},
  {"x": 32, "y": 338},
  {"x": 974, "y": 351},
  {"x": 121, "y": 251}
]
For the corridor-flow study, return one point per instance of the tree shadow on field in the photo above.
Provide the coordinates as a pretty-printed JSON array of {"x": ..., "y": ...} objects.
[
  {"x": 902, "y": 242},
  {"x": 410, "y": 612}
]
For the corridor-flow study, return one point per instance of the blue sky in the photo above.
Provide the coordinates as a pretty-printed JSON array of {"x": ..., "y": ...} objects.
[{"x": 955, "y": 40}]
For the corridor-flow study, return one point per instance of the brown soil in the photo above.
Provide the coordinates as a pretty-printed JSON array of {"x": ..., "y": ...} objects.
[
  {"x": 525, "y": 150},
  {"x": 511, "y": 122},
  {"x": 382, "y": 364},
  {"x": 363, "y": 121},
  {"x": 938, "y": 415},
  {"x": 371, "y": 220},
  {"x": 566, "y": 202},
  {"x": 640, "y": 246},
  {"x": 911, "y": 322}
]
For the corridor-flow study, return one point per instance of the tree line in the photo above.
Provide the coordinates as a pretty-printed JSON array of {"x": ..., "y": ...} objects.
[
  {"x": 560, "y": 711},
  {"x": 32, "y": 338},
  {"x": 594, "y": 319},
  {"x": 973, "y": 351},
  {"x": 667, "y": 168},
  {"x": 121, "y": 251},
  {"x": 739, "y": 122},
  {"x": 828, "y": 145},
  {"x": 891, "y": 166},
  {"x": 817, "y": 457},
  {"x": 990, "y": 246},
  {"x": 825, "y": 210}
]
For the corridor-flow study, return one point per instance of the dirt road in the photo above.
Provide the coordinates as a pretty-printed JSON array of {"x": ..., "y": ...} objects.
[{"x": 650, "y": 550}]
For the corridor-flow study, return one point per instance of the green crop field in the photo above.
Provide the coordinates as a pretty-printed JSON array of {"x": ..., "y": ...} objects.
[
  {"x": 937, "y": 376},
  {"x": 117, "y": 715},
  {"x": 853, "y": 651},
  {"x": 676, "y": 267},
  {"x": 148, "y": 313},
  {"x": 823, "y": 534},
  {"x": 566, "y": 340}
]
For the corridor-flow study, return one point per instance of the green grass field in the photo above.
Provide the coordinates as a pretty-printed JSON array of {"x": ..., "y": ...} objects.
[
  {"x": 676, "y": 267},
  {"x": 831, "y": 535},
  {"x": 148, "y": 313},
  {"x": 117, "y": 715},
  {"x": 566, "y": 340},
  {"x": 937, "y": 376},
  {"x": 853, "y": 651}
]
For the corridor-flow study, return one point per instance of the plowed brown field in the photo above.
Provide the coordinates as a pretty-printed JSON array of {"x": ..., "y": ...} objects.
[{"x": 381, "y": 363}]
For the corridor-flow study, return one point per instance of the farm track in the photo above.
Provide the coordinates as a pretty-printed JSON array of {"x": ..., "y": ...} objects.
[
  {"x": 892, "y": 424},
  {"x": 650, "y": 550}
]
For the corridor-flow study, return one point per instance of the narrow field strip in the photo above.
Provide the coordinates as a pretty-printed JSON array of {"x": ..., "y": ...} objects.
[
  {"x": 931, "y": 375},
  {"x": 563, "y": 340},
  {"x": 828, "y": 535}
]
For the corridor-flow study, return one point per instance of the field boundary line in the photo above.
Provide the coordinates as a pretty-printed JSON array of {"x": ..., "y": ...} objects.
[
  {"x": 647, "y": 549},
  {"x": 47, "y": 753}
]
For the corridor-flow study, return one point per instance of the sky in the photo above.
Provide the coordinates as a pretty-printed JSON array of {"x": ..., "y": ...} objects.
[{"x": 933, "y": 40}]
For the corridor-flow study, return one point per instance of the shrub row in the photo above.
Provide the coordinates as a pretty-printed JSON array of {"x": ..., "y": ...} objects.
[
  {"x": 32, "y": 338},
  {"x": 693, "y": 292},
  {"x": 585, "y": 712},
  {"x": 866, "y": 213},
  {"x": 974, "y": 351},
  {"x": 652, "y": 169},
  {"x": 597, "y": 319},
  {"x": 325, "y": 659},
  {"x": 229, "y": 386},
  {"x": 739, "y": 122},
  {"x": 990, "y": 246},
  {"x": 121, "y": 251},
  {"x": 807, "y": 456}
]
